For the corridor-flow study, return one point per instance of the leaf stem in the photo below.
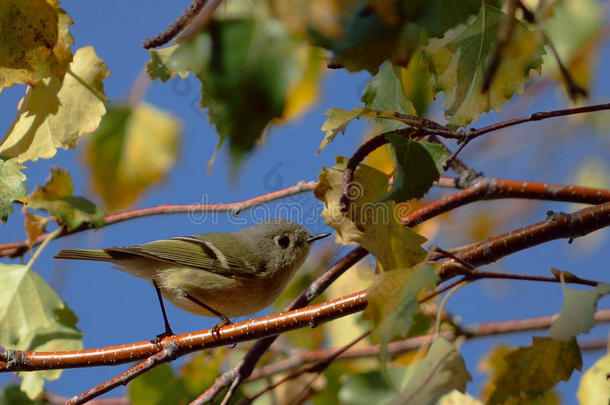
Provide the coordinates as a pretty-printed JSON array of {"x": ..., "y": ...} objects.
[{"x": 46, "y": 241}]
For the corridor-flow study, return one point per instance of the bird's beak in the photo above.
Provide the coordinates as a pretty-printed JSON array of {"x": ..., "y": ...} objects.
[{"x": 314, "y": 238}]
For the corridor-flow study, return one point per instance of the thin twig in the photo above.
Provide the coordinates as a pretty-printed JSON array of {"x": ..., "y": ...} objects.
[
  {"x": 475, "y": 133},
  {"x": 46, "y": 241},
  {"x": 574, "y": 90},
  {"x": 14, "y": 249},
  {"x": 317, "y": 368},
  {"x": 200, "y": 20},
  {"x": 174, "y": 28},
  {"x": 168, "y": 353},
  {"x": 422, "y": 126},
  {"x": 348, "y": 174}
]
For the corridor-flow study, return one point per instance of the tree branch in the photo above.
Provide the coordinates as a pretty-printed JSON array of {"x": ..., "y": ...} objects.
[
  {"x": 578, "y": 223},
  {"x": 478, "y": 330},
  {"x": 17, "y": 360},
  {"x": 245, "y": 367},
  {"x": 485, "y": 188},
  {"x": 556, "y": 226},
  {"x": 14, "y": 249}
]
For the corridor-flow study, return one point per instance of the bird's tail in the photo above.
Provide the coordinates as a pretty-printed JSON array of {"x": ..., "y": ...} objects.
[{"x": 84, "y": 254}]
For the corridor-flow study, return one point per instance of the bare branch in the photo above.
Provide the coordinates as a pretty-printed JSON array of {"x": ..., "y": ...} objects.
[
  {"x": 174, "y": 28},
  {"x": 394, "y": 349},
  {"x": 14, "y": 249}
]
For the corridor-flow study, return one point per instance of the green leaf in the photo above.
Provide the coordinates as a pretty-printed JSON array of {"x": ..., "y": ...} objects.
[
  {"x": 35, "y": 41},
  {"x": 440, "y": 372},
  {"x": 133, "y": 148},
  {"x": 12, "y": 186},
  {"x": 393, "y": 309},
  {"x": 373, "y": 224},
  {"x": 56, "y": 112},
  {"x": 371, "y": 387},
  {"x": 56, "y": 197},
  {"x": 528, "y": 372},
  {"x": 12, "y": 395},
  {"x": 201, "y": 370},
  {"x": 33, "y": 317},
  {"x": 437, "y": 16},
  {"x": 247, "y": 68},
  {"x": 418, "y": 166},
  {"x": 594, "y": 385},
  {"x": 384, "y": 92},
  {"x": 159, "y": 386},
  {"x": 577, "y": 313},
  {"x": 365, "y": 40},
  {"x": 461, "y": 59}
]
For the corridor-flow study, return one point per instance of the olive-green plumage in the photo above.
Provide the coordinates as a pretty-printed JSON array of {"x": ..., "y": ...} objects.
[{"x": 234, "y": 274}]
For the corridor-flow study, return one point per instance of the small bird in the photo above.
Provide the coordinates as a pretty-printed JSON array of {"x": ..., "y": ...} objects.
[{"x": 214, "y": 274}]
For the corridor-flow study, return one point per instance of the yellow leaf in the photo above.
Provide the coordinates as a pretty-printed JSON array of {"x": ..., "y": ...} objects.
[
  {"x": 369, "y": 222},
  {"x": 529, "y": 372},
  {"x": 35, "y": 41},
  {"x": 455, "y": 397},
  {"x": 132, "y": 149},
  {"x": 461, "y": 59},
  {"x": 303, "y": 93},
  {"x": 35, "y": 225},
  {"x": 55, "y": 113},
  {"x": 594, "y": 385}
]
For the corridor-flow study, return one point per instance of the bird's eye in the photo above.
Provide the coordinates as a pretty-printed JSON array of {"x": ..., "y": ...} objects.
[{"x": 283, "y": 241}]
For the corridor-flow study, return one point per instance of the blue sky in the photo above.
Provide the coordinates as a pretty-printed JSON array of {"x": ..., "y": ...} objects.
[{"x": 115, "y": 308}]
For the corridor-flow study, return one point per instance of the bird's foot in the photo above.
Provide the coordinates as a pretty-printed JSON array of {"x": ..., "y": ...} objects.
[
  {"x": 161, "y": 336},
  {"x": 224, "y": 321}
]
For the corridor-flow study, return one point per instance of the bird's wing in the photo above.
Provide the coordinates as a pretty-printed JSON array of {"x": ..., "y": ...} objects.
[{"x": 206, "y": 252}]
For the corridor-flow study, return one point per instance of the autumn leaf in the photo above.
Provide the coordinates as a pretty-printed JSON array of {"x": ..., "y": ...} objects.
[
  {"x": 33, "y": 317},
  {"x": 363, "y": 34},
  {"x": 418, "y": 165},
  {"x": 365, "y": 39},
  {"x": 336, "y": 123},
  {"x": 35, "y": 225},
  {"x": 12, "y": 186},
  {"x": 578, "y": 310},
  {"x": 594, "y": 385},
  {"x": 133, "y": 148},
  {"x": 369, "y": 222},
  {"x": 248, "y": 69},
  {"x": 339, "y": 119},
  {"x": 461, "y": 59},
  {"x": 438, "y": 373},
  {"x": 578, "y": 46},
  {"x": 56, "y": 112},
  {"x": 393, "y": 309},
  {"x": 528, "y": 372},
  {"x": 455, "y": 397},
  {"x": 35, "y": 41},
  {"x": 56, "y": 197}
]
